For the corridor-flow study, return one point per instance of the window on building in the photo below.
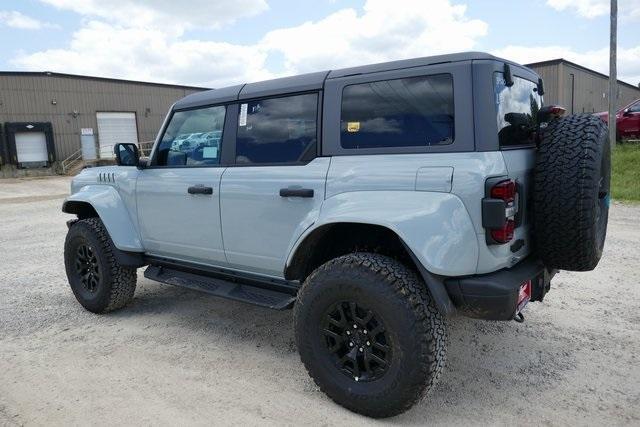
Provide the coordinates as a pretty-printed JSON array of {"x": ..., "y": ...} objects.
[
  {"x": 192, "y": 138},
  {"x": 277, "y": 130},
  {"x": 411, "y": 112}
]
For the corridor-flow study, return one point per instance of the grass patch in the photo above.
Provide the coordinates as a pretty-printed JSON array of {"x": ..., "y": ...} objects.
[{"x": 625, "y": 172}]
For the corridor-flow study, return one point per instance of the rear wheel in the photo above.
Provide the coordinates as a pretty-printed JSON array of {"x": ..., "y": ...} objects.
[
  {"x": 98, "y": 282},
  {"x": 369, "y": 334}
]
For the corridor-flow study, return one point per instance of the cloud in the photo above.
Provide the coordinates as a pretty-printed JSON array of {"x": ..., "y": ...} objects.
[
  {"x": 125, "y": 48},
  {"x": 15, "y": 19},
  {"x": 169, "y": 15},
  {"x": 386, "y": 30},
  {"x": 598, "y": 59},
  {"x": 103, "y": 49},
  {"x": 627, "y": 9}
]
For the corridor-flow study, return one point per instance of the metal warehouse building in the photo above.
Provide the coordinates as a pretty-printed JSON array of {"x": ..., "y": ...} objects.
[
  {"x": 50, "y": 121},
  {"x": 578, "y": 88}
]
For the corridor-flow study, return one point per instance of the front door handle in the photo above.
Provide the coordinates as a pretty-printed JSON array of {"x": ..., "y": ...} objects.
[
  {"x": 296, "y": 192},
  {"x": 200, "y": 189}
]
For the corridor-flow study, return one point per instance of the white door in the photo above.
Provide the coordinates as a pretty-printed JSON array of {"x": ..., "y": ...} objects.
[
  {"x": 31, "y": 147},
  {"x": 114, "y": 128}
]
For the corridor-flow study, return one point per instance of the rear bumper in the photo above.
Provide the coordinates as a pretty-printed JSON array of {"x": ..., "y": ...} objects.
[{"x": 494, "y": 296}]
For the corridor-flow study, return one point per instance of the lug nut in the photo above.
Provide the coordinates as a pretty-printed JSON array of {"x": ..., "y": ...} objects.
[
  {"x": 356, "y": 378},
  {"x": 350, "y": 344},
  {"x": 360, "y": 349},
  {"x": 368, "y": 343},
  {"x": 365, "y": 332},
  {"x": 348, "y": 332},
  {"x": 355, "y": 326}
]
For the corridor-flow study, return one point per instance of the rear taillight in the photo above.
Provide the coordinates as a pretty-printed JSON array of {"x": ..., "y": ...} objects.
[
  {"x": 506, "y": 191},
  {"x": 504, "y": 234}
]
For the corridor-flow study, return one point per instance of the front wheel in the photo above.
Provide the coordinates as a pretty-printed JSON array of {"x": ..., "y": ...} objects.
[
  {"x": 98, "y": 282},
  {"x": 369, "y": 334}
]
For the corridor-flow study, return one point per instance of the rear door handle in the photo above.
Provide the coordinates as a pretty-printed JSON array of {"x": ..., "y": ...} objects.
[
  {"x": 296, "y": 192},
  {"x": 200, "y": 189}
]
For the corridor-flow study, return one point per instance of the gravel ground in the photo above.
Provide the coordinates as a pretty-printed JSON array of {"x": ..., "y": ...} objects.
[{"x": 178, "y": 357}]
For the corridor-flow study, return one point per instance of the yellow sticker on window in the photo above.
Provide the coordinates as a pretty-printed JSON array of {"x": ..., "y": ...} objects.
[{"x": 353, "y": 126}]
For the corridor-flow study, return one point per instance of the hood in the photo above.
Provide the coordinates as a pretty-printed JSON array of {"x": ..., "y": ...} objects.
[{"x": 604, "y": 115}]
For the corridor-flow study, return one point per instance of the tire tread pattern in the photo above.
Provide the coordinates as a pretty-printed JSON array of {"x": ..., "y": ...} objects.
[
  {"x": 565, "y": 192},
  {"x": 428, "y": 328},
  {"x": 123, "y": 279}
]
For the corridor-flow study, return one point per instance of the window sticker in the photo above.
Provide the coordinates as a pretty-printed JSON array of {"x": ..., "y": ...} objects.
[
  {"x": 210, "y": 153},
  {"x": 242, "y": 121},
  {"x": 353, "y": 127}
]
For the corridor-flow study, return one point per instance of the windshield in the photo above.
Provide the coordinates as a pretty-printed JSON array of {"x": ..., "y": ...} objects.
[{"x": 517, "y": 108}]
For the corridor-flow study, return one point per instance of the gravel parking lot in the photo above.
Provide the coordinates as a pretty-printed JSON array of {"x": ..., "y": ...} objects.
[{"x": 180, "y": 357}]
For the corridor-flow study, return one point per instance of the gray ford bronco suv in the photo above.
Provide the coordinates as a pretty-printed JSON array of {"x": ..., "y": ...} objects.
[{"x": 376, "y": 201}]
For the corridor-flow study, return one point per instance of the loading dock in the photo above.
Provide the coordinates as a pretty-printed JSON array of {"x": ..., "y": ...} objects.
[{"x": 30, "y": 144}]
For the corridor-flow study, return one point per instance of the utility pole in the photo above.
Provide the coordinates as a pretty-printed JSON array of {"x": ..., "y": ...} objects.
[{"x": 613, "y": 76}]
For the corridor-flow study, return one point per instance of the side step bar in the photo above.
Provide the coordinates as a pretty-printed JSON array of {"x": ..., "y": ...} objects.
[{"x": 222, "y": 288}]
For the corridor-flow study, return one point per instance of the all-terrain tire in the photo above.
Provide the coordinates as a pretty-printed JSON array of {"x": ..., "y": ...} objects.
[
  {"x": 400, "y": 306},
  {"x": 98, "y": 282},
  {"x": 571, "y": 192}
]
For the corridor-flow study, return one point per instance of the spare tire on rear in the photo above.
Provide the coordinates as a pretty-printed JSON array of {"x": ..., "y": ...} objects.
[{"x": 571, "y": 192}]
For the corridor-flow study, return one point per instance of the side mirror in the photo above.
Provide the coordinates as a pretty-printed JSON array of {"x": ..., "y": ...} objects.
[
  {"x": 626, "y": 112},
  {"x": 127, "y": 154}
]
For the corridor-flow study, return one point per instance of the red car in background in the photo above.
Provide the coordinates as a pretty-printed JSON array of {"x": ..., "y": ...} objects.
[{"x": 627, "y": 121}]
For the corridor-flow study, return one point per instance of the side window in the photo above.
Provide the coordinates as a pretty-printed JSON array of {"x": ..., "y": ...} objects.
[
  {"x": 517, "y": 109},
  {"x": 410, "y": 112},
  {"x": 635, "y": 108},
  {"x": 192, "y": 138},
  {"x": 277, "y": 130}
]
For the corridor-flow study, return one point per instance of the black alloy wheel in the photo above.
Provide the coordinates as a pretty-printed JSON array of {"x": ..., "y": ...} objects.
[
  {"x": 357, "y": 341},
  {"x": 87, "y": 268}
]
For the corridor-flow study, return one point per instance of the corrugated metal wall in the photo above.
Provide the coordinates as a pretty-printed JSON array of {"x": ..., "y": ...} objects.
[
  {"x": 30, "y": 98},
  {"x": 590, "y": 90},
  {"x": 549, "y": 74}
]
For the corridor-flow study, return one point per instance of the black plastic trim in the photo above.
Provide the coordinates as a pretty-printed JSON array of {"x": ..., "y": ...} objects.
[
  {"x": 243, "y": 292},
  {"x": 129, "y": 259},
  {"x": 296, "y": 192},
  {"x": 435, "y": 285},
  {"x": 494, "y": 296},
  {"x": 280, "y": 285}
]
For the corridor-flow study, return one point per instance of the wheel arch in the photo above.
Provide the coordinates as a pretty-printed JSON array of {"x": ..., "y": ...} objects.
[
  {"x": 331, "y": 240},
  {"x": 105, "y": 202},
  {"x": 81, "y": 209}
]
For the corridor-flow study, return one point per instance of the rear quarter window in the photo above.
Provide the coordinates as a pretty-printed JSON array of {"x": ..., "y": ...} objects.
[
  {"x": 517, "y": 109},
  {"x": 409, "y": 112}
]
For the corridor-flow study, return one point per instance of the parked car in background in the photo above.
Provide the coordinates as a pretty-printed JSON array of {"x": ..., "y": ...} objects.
[{"x": 627, "y": 121}]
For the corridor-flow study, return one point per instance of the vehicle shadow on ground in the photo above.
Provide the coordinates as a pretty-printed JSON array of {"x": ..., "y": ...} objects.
[{"x": 483, "y": 358}]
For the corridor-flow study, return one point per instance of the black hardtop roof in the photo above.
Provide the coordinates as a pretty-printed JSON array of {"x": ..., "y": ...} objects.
[{"x": 315, "y": 81}]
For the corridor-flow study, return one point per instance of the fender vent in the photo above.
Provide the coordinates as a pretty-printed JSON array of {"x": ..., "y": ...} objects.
[{"x": 107, "y": 177}]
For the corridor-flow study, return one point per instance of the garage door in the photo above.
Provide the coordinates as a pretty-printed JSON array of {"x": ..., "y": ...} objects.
[
  {"x": 31, "y": 147},
  {"x": 114, "y": 128}
]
